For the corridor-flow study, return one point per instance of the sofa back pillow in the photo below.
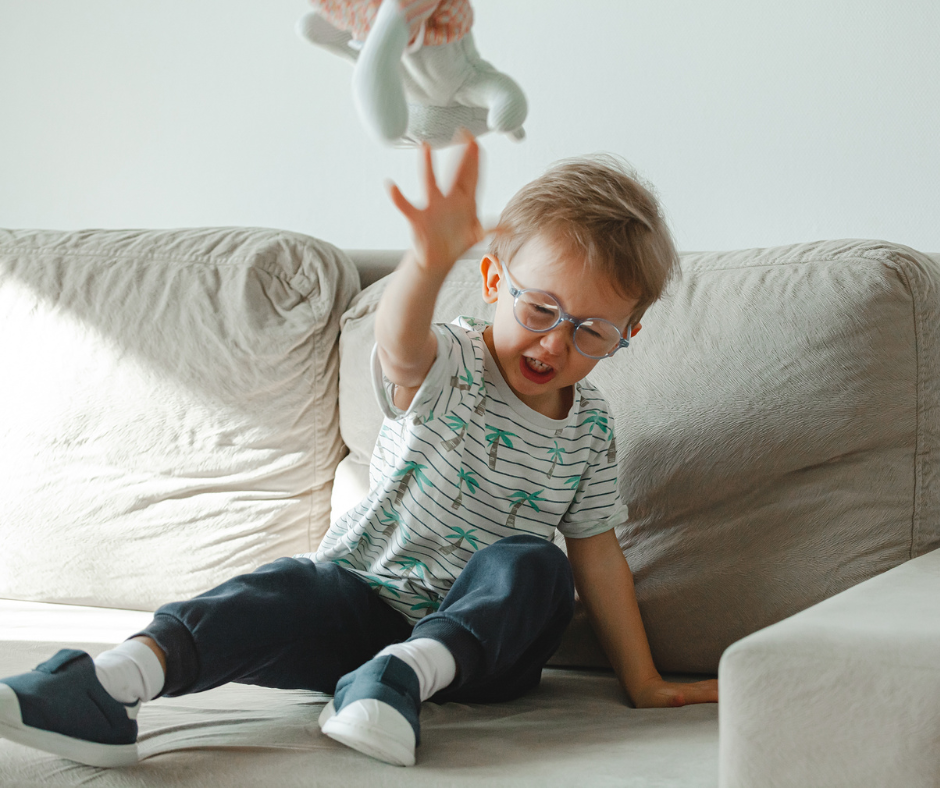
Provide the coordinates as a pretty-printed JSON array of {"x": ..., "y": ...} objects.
[
  {"x": 779, "y": 425},
  {"x": 169, "y": 408}
]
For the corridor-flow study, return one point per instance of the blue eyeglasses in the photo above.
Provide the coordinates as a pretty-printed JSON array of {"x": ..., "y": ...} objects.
[{"x": 539, "y": 311}]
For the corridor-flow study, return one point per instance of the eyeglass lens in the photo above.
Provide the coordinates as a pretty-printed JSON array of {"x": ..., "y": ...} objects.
[{"x": 541, "y": 312}]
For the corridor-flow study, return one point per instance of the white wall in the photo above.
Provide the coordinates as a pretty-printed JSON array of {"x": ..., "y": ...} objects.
[{"x": 759, "y": 123}]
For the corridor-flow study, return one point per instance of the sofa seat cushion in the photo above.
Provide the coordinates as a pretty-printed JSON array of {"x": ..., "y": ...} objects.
[
  {"x": 574, "y": 729},
  {"x": 778, "y": 419},
  {"x": 169, "y": 408}
]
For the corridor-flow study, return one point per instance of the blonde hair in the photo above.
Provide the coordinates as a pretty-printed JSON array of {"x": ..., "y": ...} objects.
[{"x": 597, "y": 209}]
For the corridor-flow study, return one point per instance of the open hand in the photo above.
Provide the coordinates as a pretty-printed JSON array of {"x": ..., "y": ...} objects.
[
  {"x": 448, "y": 226},
  {"x": 663, "y": 694}
]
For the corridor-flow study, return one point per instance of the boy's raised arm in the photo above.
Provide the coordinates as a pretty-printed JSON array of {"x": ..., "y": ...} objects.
[
  {"x": 605, "y": 584},
  {"x": 443, "y": 230}
]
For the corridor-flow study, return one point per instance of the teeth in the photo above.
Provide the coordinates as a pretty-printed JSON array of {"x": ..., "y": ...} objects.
[{"x": 537, "y": 365}]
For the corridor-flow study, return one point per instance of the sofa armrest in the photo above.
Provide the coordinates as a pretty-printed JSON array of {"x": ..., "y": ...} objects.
[{"x": 844, "y": 693}]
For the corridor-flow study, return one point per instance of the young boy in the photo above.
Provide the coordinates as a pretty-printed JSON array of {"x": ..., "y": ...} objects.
[{"x": 443, "y": 583}]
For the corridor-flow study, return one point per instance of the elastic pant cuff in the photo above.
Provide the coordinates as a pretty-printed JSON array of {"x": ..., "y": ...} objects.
[
  {"x": 182, "y": 661},
  {"x": 466, "y": 649}
]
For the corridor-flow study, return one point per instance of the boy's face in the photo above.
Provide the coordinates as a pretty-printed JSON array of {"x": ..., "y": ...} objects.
[{"x": 541, "y": 368}]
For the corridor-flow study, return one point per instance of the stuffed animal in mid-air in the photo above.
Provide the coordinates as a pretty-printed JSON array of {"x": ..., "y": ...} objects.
[{"x": 417, "y": 74}]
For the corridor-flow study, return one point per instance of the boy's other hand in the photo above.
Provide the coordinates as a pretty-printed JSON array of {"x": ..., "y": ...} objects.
[
  {"x": 662, "y": 694},
  {"x": 448, "y": 226}
]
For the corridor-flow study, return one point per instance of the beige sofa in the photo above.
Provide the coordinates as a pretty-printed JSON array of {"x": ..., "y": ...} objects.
[{"x": 176, "y": 405}]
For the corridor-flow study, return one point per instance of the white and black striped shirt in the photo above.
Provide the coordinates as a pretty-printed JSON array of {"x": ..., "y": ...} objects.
[{"x": 466, "y": 465}]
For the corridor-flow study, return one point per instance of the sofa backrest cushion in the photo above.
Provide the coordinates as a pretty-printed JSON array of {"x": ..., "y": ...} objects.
[
  {"x": 779, "y": 424},
  {"x": 169, "y": 408}
]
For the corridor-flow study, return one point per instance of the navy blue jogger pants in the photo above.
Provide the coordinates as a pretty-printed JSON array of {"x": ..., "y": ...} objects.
[{"x": 296, "y": 624}]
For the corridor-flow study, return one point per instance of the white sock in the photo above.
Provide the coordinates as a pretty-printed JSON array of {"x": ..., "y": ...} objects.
[
  {"x": 429, "y": 658},
  {"x": 130, "y": 672}
]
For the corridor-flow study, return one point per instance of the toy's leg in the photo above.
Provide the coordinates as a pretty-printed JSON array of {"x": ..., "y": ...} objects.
[
  {"x": 377, "y": 85},
  {"x": 450, "y": 85},
  {"x": 487, "y": 87}
]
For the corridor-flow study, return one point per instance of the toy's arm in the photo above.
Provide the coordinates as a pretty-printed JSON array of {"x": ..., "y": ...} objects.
[
  {"x": 320, "y": 31},
  {"x": 487, "y": 87},
  {"x": 605, "y": 585}
]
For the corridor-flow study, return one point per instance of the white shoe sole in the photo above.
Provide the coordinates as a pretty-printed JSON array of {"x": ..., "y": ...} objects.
[
  {"x": 373, "y": 728},
  {"x": 87, "y": 752}
]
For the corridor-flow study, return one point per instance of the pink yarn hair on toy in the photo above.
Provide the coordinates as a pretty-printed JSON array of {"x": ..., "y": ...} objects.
[{"x": 443, "y": 21}]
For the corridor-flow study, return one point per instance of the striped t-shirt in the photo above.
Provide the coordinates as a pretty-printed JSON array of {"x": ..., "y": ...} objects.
[{"x": 467, "y": 464}]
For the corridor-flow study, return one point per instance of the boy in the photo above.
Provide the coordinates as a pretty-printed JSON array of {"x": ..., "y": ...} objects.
[{"x": 443, "y": 583}]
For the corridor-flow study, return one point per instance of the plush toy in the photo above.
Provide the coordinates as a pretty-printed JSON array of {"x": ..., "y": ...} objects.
[{"x": 417, "y": 75}]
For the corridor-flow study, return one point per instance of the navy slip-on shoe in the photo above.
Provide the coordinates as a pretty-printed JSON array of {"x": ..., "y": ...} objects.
[
  {"x": 61, "y": 707},
  {"x": 375, "y": 711}
]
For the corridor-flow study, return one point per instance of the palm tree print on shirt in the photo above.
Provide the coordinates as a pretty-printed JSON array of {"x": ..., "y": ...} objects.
[
  {"x": 556, "y": 458},
  {"x": 408, "y": 471},
  {"x": 574, "y": 484},
  {"x": 461, "y": 536},
  {"x": 353, "y": 540},
  {"x": 480, "y": 408},
  {"x": 392, "y": 520},
  {"x": 494, "y": 438},
  {"x": 418, "y": 421},
  {"x": 459, "y": 426},
  {"x": 463, "y": 382},
  {"x": 412, "y": 566},
  {"x": 596, "y": 419},
  {"x": 612, "y": 449},
  {"x": 470, "y": 479},
  {"x": 377, "y": 584},
  {"x": 427, "y": 605},
  {"x": 522, "y": 498},
  {"x": 475, "y": 324}
]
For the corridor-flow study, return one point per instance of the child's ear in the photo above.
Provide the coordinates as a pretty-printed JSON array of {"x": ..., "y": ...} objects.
[
  {"x": 635, "y": 330},
  {"x": 489, "y": 268}
]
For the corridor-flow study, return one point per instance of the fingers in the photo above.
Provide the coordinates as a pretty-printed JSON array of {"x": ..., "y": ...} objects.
[
  {"x": 701, "y": 692},
  {"x": 468, "y": 169},
  {"x": 478, "y": 233},
  {"x": 401, "y": 202},
  {"x": 465, "y": 179},
  {"x": 664, "y": 697},
  {"x": 671, "y": 697},
  {"x": 684, "y": 694},
  {"x": 430, "y": 182}
]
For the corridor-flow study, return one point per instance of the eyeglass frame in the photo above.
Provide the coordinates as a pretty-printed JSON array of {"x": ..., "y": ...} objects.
[{"x": 563, "y": 317}]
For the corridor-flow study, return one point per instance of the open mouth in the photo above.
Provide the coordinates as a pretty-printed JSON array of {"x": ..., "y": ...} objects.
[{"x": 535, "y": 370}]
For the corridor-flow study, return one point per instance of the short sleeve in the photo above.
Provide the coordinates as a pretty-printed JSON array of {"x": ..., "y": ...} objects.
[
  {"x": 437, "y": 394},
  {"x": 597, "y": 506}
]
